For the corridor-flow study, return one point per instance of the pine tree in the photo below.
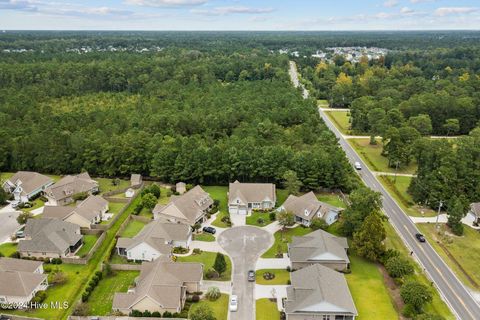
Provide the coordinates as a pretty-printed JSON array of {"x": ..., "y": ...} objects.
[
  {"x": 368, "y": 241},
  {"x": 220, "y": 264}
]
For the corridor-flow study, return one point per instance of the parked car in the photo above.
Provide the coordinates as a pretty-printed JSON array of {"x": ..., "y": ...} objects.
[
  {"x": 233, "y": 305},
  {"x": 20, "y": 234},
  {"x": 15, "y": 204},
  {"x": 251, "y": 276},
  {"x": 357, "y": 165},
  {"x": 420, "y": 237},
  {"x": 211, "y": 230}
]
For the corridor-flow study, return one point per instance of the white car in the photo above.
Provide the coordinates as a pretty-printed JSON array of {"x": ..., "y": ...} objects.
[
  {"x": 357, "y": 165},
  {"x": 233, "y": 305}
]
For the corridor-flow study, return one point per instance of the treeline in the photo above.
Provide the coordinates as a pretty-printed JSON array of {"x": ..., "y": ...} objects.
[{"x": 178, "y": 115}]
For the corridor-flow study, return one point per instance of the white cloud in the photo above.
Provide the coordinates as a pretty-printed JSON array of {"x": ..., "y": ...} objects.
[
  {"x": 445, "y": 11},
  {"x": 390, "y": 3},
  {"x": 166, "y": 3},
  {"x": 22, "y": 5},
  {"x": 420, "y": 1},
  {"x": 383, "y": 15},
  {"x": 406, "y": 10},
  {"x": 221, "y": 11}
]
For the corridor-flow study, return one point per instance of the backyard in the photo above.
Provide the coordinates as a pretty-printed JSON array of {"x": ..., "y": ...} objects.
[
  {"x": 282, "y": 277},
  {"x": 208, "y": 259},
  {"x": 132, "y": 229},
  {"x": 106, "y": 185},
  {"x": 114, "y": 208},
  {"x": 219, "y": 193},
  {"x": 219, "y": 307},
  {"x": 88, "y": 242},
  {"x": 8, "y": 248},
  {"x": 282, "y": 238},
  {"x": 266, "y": 310},
  {"x": 341, "y": 119}
]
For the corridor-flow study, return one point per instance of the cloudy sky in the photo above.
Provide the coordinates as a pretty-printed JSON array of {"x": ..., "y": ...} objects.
[{"x": 239, "y": 14}]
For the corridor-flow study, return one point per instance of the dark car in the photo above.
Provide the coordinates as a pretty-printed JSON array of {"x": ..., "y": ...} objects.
[
  {"x": 209, "y": 230},
  {"x": 420, "y": 237},
  {"x": 251, "y": 276}
]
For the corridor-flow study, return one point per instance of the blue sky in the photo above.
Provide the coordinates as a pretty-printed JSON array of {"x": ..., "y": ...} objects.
[{"x": 239, "y": 14}]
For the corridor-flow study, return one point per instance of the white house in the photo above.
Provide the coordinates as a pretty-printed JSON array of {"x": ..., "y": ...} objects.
[
  {"x": 24, "y": 185},
  {"x": 245, "y": 197},
  {"x": 129, "y": 193}
]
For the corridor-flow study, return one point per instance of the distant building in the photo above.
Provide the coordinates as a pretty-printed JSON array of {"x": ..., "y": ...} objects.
[
  {"x": 475, "y": 211},
  {"x": 181, "y": 187},
  {"x": 63, "y": 192},
  {"x": 24, "y": 185},
  {"x": 136, "y": 180},
  {"x": 129, "y": 193},
  {"x": 245, "y": 197}
]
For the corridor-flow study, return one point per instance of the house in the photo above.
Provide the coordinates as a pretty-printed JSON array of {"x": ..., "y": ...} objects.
[
  {"x": 189, "y": 208},
  {"x": 181, "y": 187},
  {"x": 129, "y": 193},
  {"x": 25, "y": 185},
  {"x": 63, "y": 192},
  {"x": 475, "y": 211},
  {"x": 156, "y": 239},
  {"x": 318, "y": 292},
  {"x": 136, "y": 180},
  {"x": 89, "y": 212},
  {"x": 307, "y": 207},
  {"x": 20, "y": 280},
  {"x": 244, "y": 197},
  {"x": 161, "y": 286},
  {"x": 319, "y": 247},
  {"x": 50, "y": 238}
]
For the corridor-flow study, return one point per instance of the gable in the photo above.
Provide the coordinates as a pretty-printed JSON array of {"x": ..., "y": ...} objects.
[
  {"x": 142, "y": 246},
  {"x": 146, "y": 303}
]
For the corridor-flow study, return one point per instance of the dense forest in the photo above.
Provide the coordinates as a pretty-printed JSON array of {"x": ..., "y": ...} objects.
[{"x": 175, "y": 114}]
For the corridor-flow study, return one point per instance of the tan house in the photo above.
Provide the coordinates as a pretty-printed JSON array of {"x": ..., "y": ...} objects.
[
  {"x": 89, "y": 212},
  {"x": 161, "y": 286},
  {"x": 20, "y": 280},
  {"x": 307, "y": 207},
  {"x": 319, "y": 247},
  {"x": 50, "y": 238},
  {"x": 136, "y": 180},
  {"x": 25, "y": 185},
  {"x": 245, "y": 197},
  {"x": 155, "y": 240},
  {"x": 63, "y": 192},
  {"x": 318, "y": 292},
  {"x": 189, "y": 208}
]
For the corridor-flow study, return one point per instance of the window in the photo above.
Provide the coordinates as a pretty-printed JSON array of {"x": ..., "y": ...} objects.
[
  {"x": 2, "y": 299},
  {"x": 326, "y": 317}
]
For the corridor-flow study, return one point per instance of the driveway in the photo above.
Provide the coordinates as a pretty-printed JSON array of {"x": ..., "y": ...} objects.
[
  {"x": 9, "y": 224},
  {"x": 244, "y": 245}
]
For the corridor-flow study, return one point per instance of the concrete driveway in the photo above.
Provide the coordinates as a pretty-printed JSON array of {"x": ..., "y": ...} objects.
[
  {"x": 9, "y": 224},
  {"x": 244, "y": 245}
]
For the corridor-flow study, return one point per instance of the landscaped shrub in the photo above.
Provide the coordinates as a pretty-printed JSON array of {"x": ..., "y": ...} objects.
[
  {"x": 99, "y": 274},
  {"x": 318, "y": 223},
  {"x": 195, "y": 298},
  {"x": 47, "y": 269},
  {"x": 212, "y": 274},
  {"x": 268, "y": 275},
  {"x": 260, "y": 221},
  {"x": 197, "y": 251},
  {"x": 167, "y": 314},
  {"x": 15, "y": 255},
  {"x": 416, "y": 295},
  {"x": 390, "y": 253},
  {"x": 40, "y": 296},
  {"x": 213, "y": 293},
  {"x": 146, "y": 314},
  {"x": 289, "y": 269},
  {"x": 156, "y": 314},
  {"x": 81, "y": 309},
  {"x": 57, "y": 278},
  {"x": 136, "y": 313},
  {"x": 398, "y": 267},
  {"x": 80, "y": 196},
  {"x": 180, "y": 250},
  {"x": 272, "y": 216},
  {"x": 56, "y": 261}
]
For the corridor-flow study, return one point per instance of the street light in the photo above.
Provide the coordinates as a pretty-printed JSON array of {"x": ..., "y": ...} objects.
[{"x": 438, "y": 215}]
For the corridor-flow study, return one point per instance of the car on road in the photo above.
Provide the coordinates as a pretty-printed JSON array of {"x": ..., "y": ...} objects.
[
  {"x": 233, "y": 305},
  {"x": 357, "y": 165},
  {"x": 420, "y": 237},
  {"x": 211, "y": 230},
  {"x": 251, "y": 276}
]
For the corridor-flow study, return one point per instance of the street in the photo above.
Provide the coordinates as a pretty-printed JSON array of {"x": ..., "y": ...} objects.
[
  {"x": 8, "y": 225},
  {"x": 244, "y": 245}
]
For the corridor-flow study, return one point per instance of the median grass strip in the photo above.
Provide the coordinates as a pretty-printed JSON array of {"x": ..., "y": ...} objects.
[
  {"x": 219, "y": 307},
  {"x": 101, "y": 299},
  {"x": 282, "y": 238},
  {"x": 132, "y": 228},
  {"x": 282, "y": 277},
  {"x": 341, "y": 119},
  {"x": 266, "y": 309},
  {"x": 208, "y": 259}
]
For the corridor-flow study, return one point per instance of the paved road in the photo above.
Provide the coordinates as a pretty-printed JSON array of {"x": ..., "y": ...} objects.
[
  {"x": 8, "y": 223},
  {"x": 244, "y": 245}
]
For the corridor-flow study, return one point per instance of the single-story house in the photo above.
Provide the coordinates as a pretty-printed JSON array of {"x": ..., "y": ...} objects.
[
  {"x": 136, "y": 180},
  {"x": 245, "y": 197},
  {"x": 161, "y": 286},
  {"x": 181, "y": 187},
  {"x": 318, "y": 292},
  {"x": 129, "y": 193},
  {"x": 190, "y": 208},
  {"x": 50, "y": 238},
  {"x": 20, "y": 280},
  {"x": 156, "y": 239},
  {"x": 319, "y": 247},
  {"x": 25, "y": 185},
  {"x": 307, "y": 207},
  {"x": 63, "y": 192},
  {"x": 87, "y": 213},
  {"x": 475, "y": 211}
]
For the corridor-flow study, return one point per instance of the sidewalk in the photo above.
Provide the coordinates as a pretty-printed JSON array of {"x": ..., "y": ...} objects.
[
  {"x": 266, "y": 291},
  {"x": 443, "y": 218},
  {"x": 224, "y": 286},
  {"x": 272, "y": 263}
]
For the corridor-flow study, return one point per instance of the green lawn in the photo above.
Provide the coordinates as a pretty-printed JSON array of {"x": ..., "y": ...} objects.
[
  {"x": 106, "y": 185},
  {"x": 100, "y": 302},
  {"x": 398, "y": 189},
  {"x": 219, "y": 307},
  {"x": 114, "y": 208},
  {"x": 132, "y": 229},
  {"x": 281, "y": 277},
  {"x": 208, "y": 259},
  {"x": 253, "y": 219},
  {"x": 282, "y": 195},
  {"x": 37, "y": 203},
  {"x": 371, "y": 155},
  {"x": 368, "y": 290},
  {"x": 332, "y": 199},
  {"x": 207, "y": 237},
  {"x": 8, "y": 248},
  {"x": 465, "y": 250},
  {"x": 266, "y": 310},
  {"x": 219, "y": 193},
  {"x": 164, "y": 195},
  {"x": 88, "y": 242},
  {"x": 341, "y": 119},
  {"x": 282, "y": 238},
  {"x": 147, "y": 213},
  {"x": 323, "y": 103}
]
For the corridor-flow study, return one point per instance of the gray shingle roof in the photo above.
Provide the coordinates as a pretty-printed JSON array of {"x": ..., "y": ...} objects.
[
  {"x": 318, "y": 289},
  {"x": 19, "y": 283},
  {"x": 70, "y": 185},
  {"x": 30, "y": 181},
  {"x": 10, "y": 264},
  {"x": 88, "y": 209},
  {"x": 251, "y": 192},
  {"x": 475, "y": 208},
  {"x": 308, "y": 203}
]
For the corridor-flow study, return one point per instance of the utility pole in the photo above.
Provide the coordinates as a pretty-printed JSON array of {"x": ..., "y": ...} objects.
[
  {"x": 396, "y": 170},
  {"x": 438, "y": 214}
]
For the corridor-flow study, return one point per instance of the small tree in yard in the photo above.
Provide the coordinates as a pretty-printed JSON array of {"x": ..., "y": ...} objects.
[
  {"x": 149, "y": 201},
  {"x": 285, "y": 218},
  {"x": 203, "y": 312},
  {"x": 3, "y": 197},
  {"x": 220, "y": 264},
  {"x": 416, "y": 295},
  {"x": 213, "y": 293},
  {"x": 398, "y": 267},
  {"x": 368, "y": 241},
  {"x": 318, "y": 223},
  {"x": 23, "y": 217},
  {"x": 456, "y": 212}
]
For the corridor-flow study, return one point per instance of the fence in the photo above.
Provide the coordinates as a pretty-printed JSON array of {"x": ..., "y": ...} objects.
[
  {"x": 85, "y": 259},
  {"x": 126, "y": 267}
]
